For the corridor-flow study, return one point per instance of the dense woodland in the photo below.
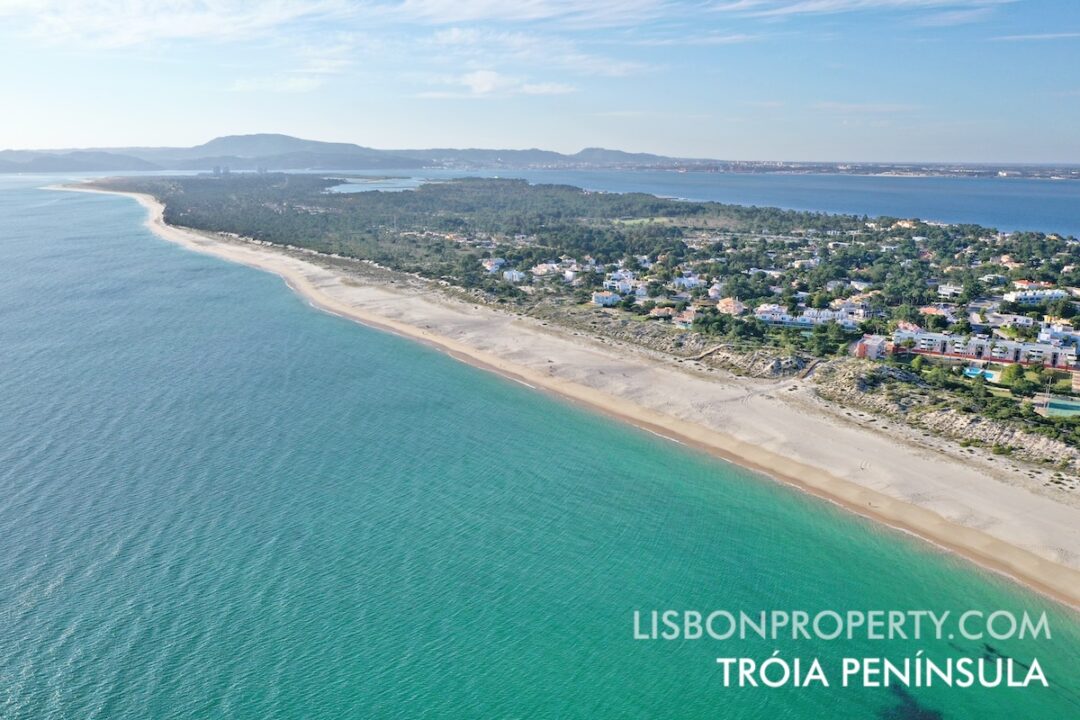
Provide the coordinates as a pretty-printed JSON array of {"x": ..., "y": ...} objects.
[
  {"x": 558, "y": 219},
  {"x": 441, "y": 230}
]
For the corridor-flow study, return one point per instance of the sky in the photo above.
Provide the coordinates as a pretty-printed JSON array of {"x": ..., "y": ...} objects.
[{"x": 869, "y": 80}]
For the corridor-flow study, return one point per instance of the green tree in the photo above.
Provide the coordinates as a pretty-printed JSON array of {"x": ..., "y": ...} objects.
[{"x": 1012, "y": 373}]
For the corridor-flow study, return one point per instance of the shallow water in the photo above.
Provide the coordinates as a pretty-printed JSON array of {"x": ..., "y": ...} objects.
[{"x": 216, "y": 501}]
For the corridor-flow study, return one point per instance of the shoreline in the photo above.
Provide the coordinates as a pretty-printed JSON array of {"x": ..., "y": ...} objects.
[{"x": 324, "y": 290}]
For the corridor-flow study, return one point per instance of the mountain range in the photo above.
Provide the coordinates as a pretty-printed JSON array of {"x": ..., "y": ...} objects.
[{"x": 283, "y": 152}]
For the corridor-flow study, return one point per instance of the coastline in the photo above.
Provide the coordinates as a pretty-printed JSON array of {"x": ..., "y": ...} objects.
[{"x": 1005, "y": 528}]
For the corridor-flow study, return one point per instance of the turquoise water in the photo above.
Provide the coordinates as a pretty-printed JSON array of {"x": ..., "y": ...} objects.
[
  {"x": 1063, "y": 408},
  {"x": 1003, "y": 203},
  {"x": 216, "y": 501}
]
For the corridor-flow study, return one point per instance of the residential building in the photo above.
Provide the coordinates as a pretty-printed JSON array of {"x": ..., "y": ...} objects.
[
  {"x": 686, "y": 318},
  {"x": 1035, "y": 297},
  {"x": 544, "y": 269},
  {"x": 730, "y": 306},
  {"x": 777, "y": 315},
  {"x": 979, "y": 347},
  {"x": 606, "y": 298},
  {"x": 1032, "y": 284},
  {"x": 623, "y": 286},
  {"x": 688, "y": 281},
  {"x": 872, "y": 347}
]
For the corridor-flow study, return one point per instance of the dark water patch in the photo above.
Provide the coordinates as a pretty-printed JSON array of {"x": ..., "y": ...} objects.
[{"x": 908, "y": 707}]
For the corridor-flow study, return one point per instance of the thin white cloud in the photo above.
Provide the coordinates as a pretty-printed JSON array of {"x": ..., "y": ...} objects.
[
  {"x": 100, "y": 23},
  {"x": 710, "y": 39},
  {"x": 636, "y": 114},
  {"x": 1038, "y": 37},
  {"x": 491, "y": 47},
  {"x": 315, "y": 67},
  {"x": 490, "y": 83},
  {"x": 857, "y": 108},
  {"x": 278, "y": 84},
  {"x": 950, "y": 18},
  {"x": 330, "y": 60},
  {"x": 571, "y": 13},
  {"x": 624, "y": 114},
  {"x": 137, "y": 22},
  {"x": 784, "y": 8},
  {"x": 547, "y": 88}
]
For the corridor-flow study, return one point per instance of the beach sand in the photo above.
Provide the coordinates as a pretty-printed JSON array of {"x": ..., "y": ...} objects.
[{"x": 769, "y": 426}]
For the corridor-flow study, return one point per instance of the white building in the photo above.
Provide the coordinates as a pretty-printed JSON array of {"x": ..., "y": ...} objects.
[
  {"x": 514, "y": 276},
  {"x": 606, "y": 299},
  {"x": 688, "y": 281},
  {"x": 1035, "y": 297},
  {"x": 618, "y": 285},
  {"x": 544, "y": 269},
  {"x": 1059, "y": 332},
  {"x": 778, "y": 315},
  {"x": 773, "y": 314},
  {"x": 1009, "y": 320},
  {"x": 987, "y": 349}
]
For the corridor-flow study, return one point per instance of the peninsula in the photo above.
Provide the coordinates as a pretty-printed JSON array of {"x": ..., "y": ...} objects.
[{"x": 521, "y": 291}]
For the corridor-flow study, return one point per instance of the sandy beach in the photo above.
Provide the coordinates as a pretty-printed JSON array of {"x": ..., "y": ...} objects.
[{"x": 769, "y": 426}]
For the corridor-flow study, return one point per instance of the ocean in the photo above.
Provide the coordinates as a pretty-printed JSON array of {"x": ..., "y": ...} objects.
[{"x": 216, "y": 501}]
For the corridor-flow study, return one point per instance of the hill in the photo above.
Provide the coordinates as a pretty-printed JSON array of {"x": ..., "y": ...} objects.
[{"x": 270, "y": 151}]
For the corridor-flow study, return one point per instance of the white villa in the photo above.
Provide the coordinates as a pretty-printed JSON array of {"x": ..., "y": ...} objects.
[
  {"x": 606, "y": 298},
  {"x": 688, "y": 281},
  {"x": 949, "y": 290},
  {"x": 777, "y": 315}
]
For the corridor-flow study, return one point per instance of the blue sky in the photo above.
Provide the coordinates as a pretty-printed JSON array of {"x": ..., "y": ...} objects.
[{"x": 909, "y": 80}]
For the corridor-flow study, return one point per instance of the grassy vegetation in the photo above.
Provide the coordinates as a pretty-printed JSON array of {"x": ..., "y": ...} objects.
[{"x": 1007, "y": 400}]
